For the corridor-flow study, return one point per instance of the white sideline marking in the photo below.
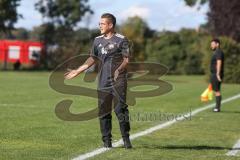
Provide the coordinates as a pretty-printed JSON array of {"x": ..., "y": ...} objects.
[
  {"x": 235, "y": 149},
  {"x": 152, "y": 129}
]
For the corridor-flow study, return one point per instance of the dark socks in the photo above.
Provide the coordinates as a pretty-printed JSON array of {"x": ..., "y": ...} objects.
[{"x": 218, "y": 102}]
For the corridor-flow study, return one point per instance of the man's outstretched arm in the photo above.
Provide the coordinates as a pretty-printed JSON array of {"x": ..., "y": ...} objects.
[{"x": 73, "y": 73}]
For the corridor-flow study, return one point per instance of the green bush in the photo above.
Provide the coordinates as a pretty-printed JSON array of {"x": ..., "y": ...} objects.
[{"x": 179, "y": 51}]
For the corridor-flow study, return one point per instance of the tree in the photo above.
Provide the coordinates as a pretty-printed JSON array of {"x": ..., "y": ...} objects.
[
  {"x": 137, "y": 31},
  {"x": 62, "y": 12},
  {"x": 20, "y": 34},
  {"x": 194, "y": 2},
  {"x": 58, "y": 33},
  {"x": 180, "y": 51},
  {"x": 8, "y": 14},
  {"x": 167, "y": 50},
  {"x": 223, "y": 17}
]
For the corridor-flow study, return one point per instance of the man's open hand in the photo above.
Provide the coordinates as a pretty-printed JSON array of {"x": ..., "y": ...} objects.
[
  {"x": 116, "y": 73},
  {"x": 71, "y": 74},
  {"x": 219, "y": 78}
]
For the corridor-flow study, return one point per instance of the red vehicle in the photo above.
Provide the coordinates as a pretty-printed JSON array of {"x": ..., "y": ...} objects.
[{"x": 21, "y": 52}]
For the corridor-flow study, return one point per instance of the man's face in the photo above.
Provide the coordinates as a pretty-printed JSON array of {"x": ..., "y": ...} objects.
[
  {"x": 105, "y": 25},
  {"x": 214, "y": 45}
]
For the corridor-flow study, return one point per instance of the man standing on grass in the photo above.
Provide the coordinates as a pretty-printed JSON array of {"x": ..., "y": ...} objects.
[
  {"x": 112, "y": 51},
  {"x": 217, "y": 71}
]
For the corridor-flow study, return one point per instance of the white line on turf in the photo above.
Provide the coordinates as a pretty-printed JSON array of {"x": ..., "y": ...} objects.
[
  {"x": 152, "y": 129},
  {"x": 235, "y": 149}
]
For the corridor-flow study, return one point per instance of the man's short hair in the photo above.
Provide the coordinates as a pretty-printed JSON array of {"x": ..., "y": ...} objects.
[
  {"x": 216, "y": 40},
  {"x": 111, "y": 17}
]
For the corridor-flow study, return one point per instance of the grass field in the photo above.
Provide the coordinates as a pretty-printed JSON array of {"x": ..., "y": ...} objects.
[{"x": 31, "y": 130}]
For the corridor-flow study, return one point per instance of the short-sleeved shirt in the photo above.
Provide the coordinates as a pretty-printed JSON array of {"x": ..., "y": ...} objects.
[
  {"x": 217, "y": 55},
  {"x": 110, "y": 53}
]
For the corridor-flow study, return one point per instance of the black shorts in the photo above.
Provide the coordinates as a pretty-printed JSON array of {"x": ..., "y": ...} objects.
[{"x": 216, "y": 84}]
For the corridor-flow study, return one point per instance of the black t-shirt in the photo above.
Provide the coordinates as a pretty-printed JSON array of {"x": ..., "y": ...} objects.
[
  {"x": 217, "y": 55},
  {"x": 110, "y": 53}
]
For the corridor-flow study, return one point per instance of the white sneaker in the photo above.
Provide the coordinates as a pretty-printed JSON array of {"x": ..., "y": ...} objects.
[{"x": 216, "y": 110}]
